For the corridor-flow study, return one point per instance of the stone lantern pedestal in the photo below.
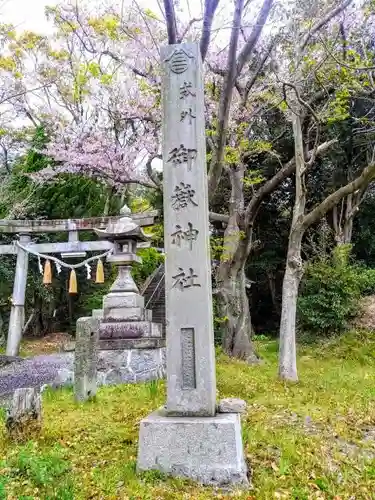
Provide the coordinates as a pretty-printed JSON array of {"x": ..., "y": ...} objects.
[
  {"x": 126, "y": 324},
  {"x": 120, "y": 343}
]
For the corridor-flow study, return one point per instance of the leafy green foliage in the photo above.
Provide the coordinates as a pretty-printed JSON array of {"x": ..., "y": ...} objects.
[
  {"x": 331, "y": 291},
  {"x": 66, "y": 197},
  {"x": 151, "y": 259}
]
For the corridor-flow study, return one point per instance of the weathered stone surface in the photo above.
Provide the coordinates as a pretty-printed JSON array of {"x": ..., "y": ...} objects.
[
  {"x": 7, "y": 360},
  {"x": 129, "y": 329},
  {"x": 68, "y": 346},
  {"x": 64, "y": 378},
  {"x": 86, "y": 358},
  {"x": 113, "y": 300},
  {"x": 119, "y": 259},
  {"x": 143, "y": 219},
  {"x": 120, "y": 330},
  {"x": 97, "y": 313},
  {"x": 205, "y": 449},
  {"x": 203, "y": 446},
  {"x": 114, "y": 376},
  {"x": 24, "y": 417},
  {"x": 144, "y": 359},
  {"x": 127, "y": 314},
  {"x": 232, "y": 405},
  {"x": 17, "y": 312},
  {"x": 142, "y": 343},
  {"x": 147, "y": 375}
]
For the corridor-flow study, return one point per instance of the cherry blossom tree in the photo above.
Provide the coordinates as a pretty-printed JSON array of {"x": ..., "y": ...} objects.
[{"x": 98, "y": 94}]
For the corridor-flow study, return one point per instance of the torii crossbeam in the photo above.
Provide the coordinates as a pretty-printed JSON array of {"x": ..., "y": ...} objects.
[{"x": 25, "y": 229}]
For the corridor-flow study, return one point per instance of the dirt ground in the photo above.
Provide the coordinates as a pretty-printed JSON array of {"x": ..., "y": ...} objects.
[
  {"x": 46, "y": 345},
  {"x": 366, "y": 318}
]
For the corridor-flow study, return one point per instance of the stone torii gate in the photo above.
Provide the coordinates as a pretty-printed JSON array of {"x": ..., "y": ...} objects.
[{"x": 25, "y": 229}]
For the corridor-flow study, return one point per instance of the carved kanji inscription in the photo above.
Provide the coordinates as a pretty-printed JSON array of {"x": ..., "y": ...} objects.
[
  {"x": 184, "y": 280},
  {"x": 181, "y": 155},
  {"x": 189, "y": 235},
  {"x": 186, "y": 90},
  {"x": 187, "y": 114},
  {"x": 183, "y": 196}
]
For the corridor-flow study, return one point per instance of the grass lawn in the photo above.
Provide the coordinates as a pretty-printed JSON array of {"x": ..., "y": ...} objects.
[{"x": 314, "y": 439}]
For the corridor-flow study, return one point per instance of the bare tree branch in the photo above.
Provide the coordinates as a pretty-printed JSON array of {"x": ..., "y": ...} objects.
[
  {"x": 170, "y": 17},
  {"x": 151, "y": 173},
  {"x": 23, "y": 92},
  {"x": 344, "y": 41},
  {"x": 299, "y": 99},
  {"x": 31, "y": 118},
  {"x": 250, "y": 83},
  {"x": 276, "y": 180},
  {"x": 357, "y": 68},
  {"x": 225, "y": 101},
  {"x": 187, "y": 29},
  {"x": 320, "y": 95},
  {"x": 219, "y": 217},
  {"x": 148, "y": 27},
  {"x": 210, "y": 7},
  {"x": 246, "y": 52},
  {"x": 218, "y": 71},
  {"x": 323, "y": 22},
  {"x": 362, "y": 181}
]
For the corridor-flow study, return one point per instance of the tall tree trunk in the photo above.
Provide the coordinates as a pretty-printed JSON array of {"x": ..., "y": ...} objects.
[
  {"x": 343, "y": 221},
  {"x": 349, "y": 216},
  {"x": 293, "y": 269},
  {"x": 108, "y": 200},
  {"x": 233, "y": 303},
  {"x": 292, "y": 279}
]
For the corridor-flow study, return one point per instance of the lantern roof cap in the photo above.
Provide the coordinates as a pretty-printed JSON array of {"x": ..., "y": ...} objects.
[{"x": 124, "y": 228}]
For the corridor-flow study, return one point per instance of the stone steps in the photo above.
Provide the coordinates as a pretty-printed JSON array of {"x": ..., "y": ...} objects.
[{"x": 154, "y": 295}]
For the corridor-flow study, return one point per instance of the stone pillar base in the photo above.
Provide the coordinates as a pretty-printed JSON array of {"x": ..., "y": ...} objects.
[{"x": 205, "y": 449}]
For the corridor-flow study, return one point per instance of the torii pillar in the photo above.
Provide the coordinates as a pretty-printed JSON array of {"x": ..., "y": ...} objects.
[{"x": 17, "y": 313}]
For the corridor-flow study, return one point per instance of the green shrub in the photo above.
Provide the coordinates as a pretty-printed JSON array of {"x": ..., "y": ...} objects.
[
  {"x": 151, "y": 259},
  {"x": 330, "y": 293},
  {"x": 367, "y": 281}
]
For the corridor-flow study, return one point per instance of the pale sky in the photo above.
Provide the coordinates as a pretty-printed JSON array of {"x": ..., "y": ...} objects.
[
  {"x": 29, "y": 14},
  {"x": 26, "y": 14}
]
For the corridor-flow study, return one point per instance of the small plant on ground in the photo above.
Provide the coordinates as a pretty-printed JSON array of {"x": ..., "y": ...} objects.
[{"x": 35, "y": 469}]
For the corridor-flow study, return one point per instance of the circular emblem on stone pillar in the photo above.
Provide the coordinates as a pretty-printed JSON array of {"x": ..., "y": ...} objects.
[{"x": 179, "y": 61}]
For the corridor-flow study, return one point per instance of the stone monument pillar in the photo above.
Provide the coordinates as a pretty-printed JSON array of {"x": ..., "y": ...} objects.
[{"x": 188, "y": 437}]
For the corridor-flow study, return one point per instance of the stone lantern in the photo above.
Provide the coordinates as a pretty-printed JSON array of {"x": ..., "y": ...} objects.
[{"x": 126, "y": 324}]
